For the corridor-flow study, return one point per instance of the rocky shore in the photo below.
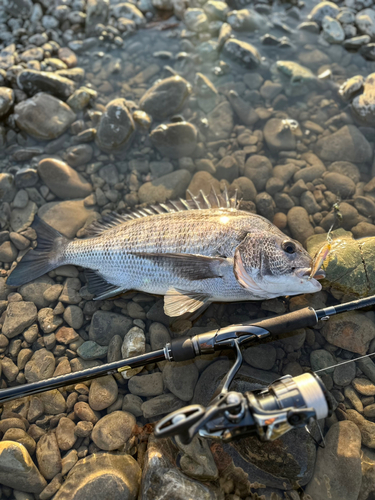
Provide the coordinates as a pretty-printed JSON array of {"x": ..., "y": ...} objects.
[{"x": 111, "y": 105}]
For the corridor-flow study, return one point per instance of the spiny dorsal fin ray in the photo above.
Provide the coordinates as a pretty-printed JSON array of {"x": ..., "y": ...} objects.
[{"x": 200, "y": 202}]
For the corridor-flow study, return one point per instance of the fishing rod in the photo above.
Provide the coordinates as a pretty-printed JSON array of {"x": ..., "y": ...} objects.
[{"x": 187, "y": 348}]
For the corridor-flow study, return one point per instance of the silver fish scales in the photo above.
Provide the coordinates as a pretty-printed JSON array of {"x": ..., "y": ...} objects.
[{"x": 193, "y": 252}]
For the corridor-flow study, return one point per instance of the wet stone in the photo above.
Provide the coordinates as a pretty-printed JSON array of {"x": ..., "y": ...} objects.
[
  {"x": 113, "y": 430},
  {"x": 160, "y": 405},
  {"x": 20, "y": 436},
  {"x": 115, "y": 128},
  {"x": 48, "y": 456},
  {"x": 259, "y": 170},
  {"x": 53, "y": 402},
  {"x": 104, "y": 325},
  {"x": 32, "y": 82},
  {"x": 43, "y": 116},
  {"x": 40, "y": 367},
  {"x": 278, "y": 135},
  {"x": 364, "y": 104},
  {"x": 220, "y": 121},
  {"x": 347, "y": 144},
  {"x": 242, "y": 52},
  {"x": 339, "y": 184},
  {"x": 181, "y": 379},
  {"x": 19, "y": 316},
  {"x": 17, "y": 470},
  {"x": 367, "y": 428},
  {"x": 170, "y": 186},
  {"x": 299, "y": 224},
  {"x": 103, "y": 393},
  {"x": 132, "y": 404},
  {"x": 351, "y": 331},
  {"x": 332, "y": 30},
  {"x": 91, "y": 350},
  {"x": 62, "y": 180},
  {"x": 117, "y": 475},
  {"x": 83, "y": 412},
  {"x": 341, "y": 477},
  {"x": 6, "y": 100},
  {"x": 65, "y": 434},
  {"x": 344, "y": 375},
  {"x": 175, "y": 140},
  {"x": 133, "y": 345},
  {"x": 323, "y": 9},
  {"x": 364, "y": 386},
  {"x": 147, "y": 385},
  {"x": 166, "y": 97},
  {"x": 196, "y": 20}
]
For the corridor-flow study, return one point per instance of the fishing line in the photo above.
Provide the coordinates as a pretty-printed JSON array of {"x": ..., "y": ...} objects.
[{"x": 344, "y": 363}]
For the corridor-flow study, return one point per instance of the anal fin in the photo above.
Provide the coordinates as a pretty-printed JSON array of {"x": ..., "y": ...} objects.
[
  {"x": 99, "y": 286},
  {"x": 178, "y": 302}
]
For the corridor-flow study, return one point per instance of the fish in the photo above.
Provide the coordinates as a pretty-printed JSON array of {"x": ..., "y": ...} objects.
[
  {"x": 193, "y": 252},
  {"x": 319, "y": 258}
]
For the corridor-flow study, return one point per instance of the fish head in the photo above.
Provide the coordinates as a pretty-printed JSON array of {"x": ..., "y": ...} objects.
[{"x": 271, "y": 265}]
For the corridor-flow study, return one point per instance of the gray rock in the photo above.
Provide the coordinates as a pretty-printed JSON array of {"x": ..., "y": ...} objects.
[
  {"x": 332, "y": 30},
  {"x": 79, "y": 155},
  {"x": 96, "y": 12},
  {"x": 166, "y": 97},
  {"x": 17, "y": 470},
  {"x": 53, "y": 402},
  {"x": 21, "y": 218},
  {"x": 309, "y": 202},
  {"x": 323, "y": 9},
  {"x": 160, "y": 405},
  {"x": 82, "y": 411},
  {"x": 73, "y": 315},
  {"x": 181, "y": 379},
  {"x": 129, "y": 11},
  {"x": 197, "y": 460},
  {"x": 259, "y": 170},
  {"x": 65, "y": 216},
  {"x": 62, "y": 180},
  {"x": 103, "y": 393},
  {"x": 347, "y": 144},
  {"x": 24, "y": 178},
  {"x": 117, "y": 476},
  {"x": 147, "y": 385},
  {"x": 352, "y": 331},
  {"x": 339, "y": 184},
  {"x": 365, "y": 21},
  {"x": 337, "y": 471},
  {"x": 299, "y": 224},
  {"x": 321, "y": 359},
  {"x": 115, "y": 128},
  {"x": 32, "y": 82},
  {"x": 43, "y": 116},
  {"x": 48, "y": 456},
  {"x": 343, "y": 375},
  {"x": 170, "y": 186},
  {"x": 265, "y": 205},
  {"x": 112, "y": 431},
  {"x": 175, "y": 140},
  {"x": 34, "y": 291},
  {"x": 363, "y": 386},
  {"x": 114, "y": 349},
  {"x": 242, "y": 52},
  {"x": 6, "y": 100},
  {"x": 246, "y": 20},
  {"x": 7, "y": 187},
  {"x": 19, "y": 316},
  {"x": 366, "y": 428},
  {"x": 105, "y": 325},
  {"x": 220, "y": 122},
  {"x": 364, "y": 105},
  {"x": 245, "y": 188},
  {"x": 162, "y": 480},
  {"x": 196, "y": 20},
  {"x": 134, "y": 344},
  {"x": 65, "y": 434},
  {"x": 278, "y": 135},
  {"x": 260, "y": 356},
  {"x": 227, "y": 168},
  {"x": 20, "y": 436},
  {"x": 40, "y": 367},
  {"x": 8, "y": 252},
  {"x": 296, "y": 79},
  {"x": 365, "y": 206},
  {"x": 48, "y": 322},
  {"x": 132, "y": 404},
  {"x": 9, "y": 369},
  {"x": 346, "y": 168},
  {"x": 91, "y": 350}
]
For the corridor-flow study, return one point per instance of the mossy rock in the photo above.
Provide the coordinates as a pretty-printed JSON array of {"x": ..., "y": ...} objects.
[{"x": 350, "y": 266}]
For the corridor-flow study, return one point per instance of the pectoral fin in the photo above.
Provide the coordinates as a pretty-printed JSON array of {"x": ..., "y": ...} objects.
[
  {"x": 99, "y": 286},
  {"x": 244, "y": 278},
  {"x": 188, "y": 266},
  {"x": 178, "y": 302}
]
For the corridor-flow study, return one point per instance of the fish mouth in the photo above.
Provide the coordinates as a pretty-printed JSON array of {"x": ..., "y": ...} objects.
[{"x": 305, "y": 273}]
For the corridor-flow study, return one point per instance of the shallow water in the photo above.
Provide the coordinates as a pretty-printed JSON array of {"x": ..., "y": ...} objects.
[{"x": 273, "y": 121}]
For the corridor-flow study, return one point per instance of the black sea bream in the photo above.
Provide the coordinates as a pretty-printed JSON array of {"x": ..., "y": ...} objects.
[{"x": 193, "y": 252}]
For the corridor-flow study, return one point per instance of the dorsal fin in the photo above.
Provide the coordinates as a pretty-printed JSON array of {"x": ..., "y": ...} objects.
[{"x": 200, "y": 202}]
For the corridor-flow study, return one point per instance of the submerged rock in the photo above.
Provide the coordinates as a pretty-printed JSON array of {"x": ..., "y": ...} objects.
[
  {"x": 170, "y": 186},
  {"x": 242, "y": 52},
  {"x": 175, "y": 140},
  {"x": 62, "y": 180},
  {"x": 65, "y": 216},
  {"x": 295, "y": 78},
  {"x": 165, "y": 97},
  {"x": 347, "y": 144},
  {"x": 32, "y": 81},
  {"x": 44, "y": 116},
  {"x": 115, "y": 128},
  {"x": 364, "y": 104}
]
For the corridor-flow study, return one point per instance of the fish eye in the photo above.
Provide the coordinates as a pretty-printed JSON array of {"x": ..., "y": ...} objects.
[{"x": 289, "y": 246}]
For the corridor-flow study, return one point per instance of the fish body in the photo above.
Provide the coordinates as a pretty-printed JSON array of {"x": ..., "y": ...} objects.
[{"x": 192, "y": 252}]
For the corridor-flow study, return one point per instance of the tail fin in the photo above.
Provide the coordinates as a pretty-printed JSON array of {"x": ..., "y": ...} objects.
[{"x": 46, "y": 256}]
